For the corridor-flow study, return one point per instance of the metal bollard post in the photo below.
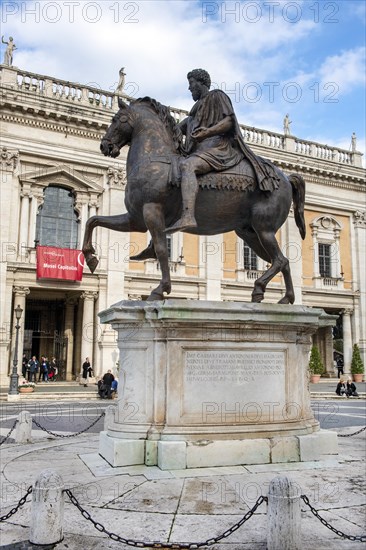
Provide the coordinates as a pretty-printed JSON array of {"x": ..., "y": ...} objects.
[
  {"x": 109, "y": 416},
  {"x": 284, "y": 515},
  {"x": 23, "y": 430},
  {"x": 47, "y": 509}
]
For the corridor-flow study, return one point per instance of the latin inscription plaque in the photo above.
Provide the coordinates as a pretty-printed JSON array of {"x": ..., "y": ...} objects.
[{"x": 249, "y": 380}]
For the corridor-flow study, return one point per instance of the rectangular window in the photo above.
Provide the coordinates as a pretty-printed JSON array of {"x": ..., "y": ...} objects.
[
  {"x": 324, "y": 260},
  {"x": 250, "y": 258}
]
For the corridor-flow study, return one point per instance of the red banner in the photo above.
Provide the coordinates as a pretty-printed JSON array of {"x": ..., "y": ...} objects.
[{"x": 59, "y": 263}]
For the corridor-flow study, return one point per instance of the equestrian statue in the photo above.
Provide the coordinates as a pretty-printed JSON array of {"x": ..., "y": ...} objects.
[{"x": 198, "y": 177}]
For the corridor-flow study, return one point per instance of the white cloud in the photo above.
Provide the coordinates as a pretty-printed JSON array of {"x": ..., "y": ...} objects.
[{"x": 347, "y": 69}]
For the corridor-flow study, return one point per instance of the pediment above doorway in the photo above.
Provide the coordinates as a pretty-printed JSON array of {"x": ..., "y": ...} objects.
[{"x": 63, "y": 175}]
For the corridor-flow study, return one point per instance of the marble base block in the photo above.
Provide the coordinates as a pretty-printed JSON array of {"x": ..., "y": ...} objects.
[
  {"x": 213, "y": 384},
  {"x": 121, "y": 452}
]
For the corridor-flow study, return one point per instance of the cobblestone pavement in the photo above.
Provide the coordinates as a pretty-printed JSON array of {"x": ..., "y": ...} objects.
[{"x": 145, "y": 503}]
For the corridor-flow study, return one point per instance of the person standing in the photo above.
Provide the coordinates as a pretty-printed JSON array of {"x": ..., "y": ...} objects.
[
  {"x": 24, "y": 365},
  {"x": 87, "y": 371},
  {"x": 45, "y": 368},
  {"x": 340, "y": 366},
  {"x": 40, "y": 374},
  {"x": 33, "y": 369}
]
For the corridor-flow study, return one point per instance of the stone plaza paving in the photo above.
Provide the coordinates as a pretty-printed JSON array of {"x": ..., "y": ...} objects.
[{"x": 146, "y": 504}]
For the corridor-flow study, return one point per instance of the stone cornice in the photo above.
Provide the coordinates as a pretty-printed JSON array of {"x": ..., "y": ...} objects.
[{"x": 58, "y": 126}]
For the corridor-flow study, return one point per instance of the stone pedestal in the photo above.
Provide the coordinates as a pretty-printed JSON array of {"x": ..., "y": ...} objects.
[{"x": 207, "y": 383}]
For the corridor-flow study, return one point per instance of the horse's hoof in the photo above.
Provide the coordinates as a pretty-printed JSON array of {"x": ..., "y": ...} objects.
[
  {"x": 92, "y": 263},
  {"x": 286, "y": 300},
  {"x": 154, "y": 297},
  {"x": 257, "y": 298}
]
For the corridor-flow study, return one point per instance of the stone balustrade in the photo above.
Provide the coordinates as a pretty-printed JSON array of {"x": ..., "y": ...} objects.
[
  {"x": 67, "y": 91},
  {"x": 92, "y": 96},
  {"x": 316, "y": 150}
]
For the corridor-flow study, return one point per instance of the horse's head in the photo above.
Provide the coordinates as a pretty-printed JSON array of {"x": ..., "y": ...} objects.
[{"x": 119, "y": 132}]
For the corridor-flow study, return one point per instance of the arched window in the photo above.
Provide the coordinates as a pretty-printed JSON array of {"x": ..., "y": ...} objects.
[{"x": 57, "y": 221}]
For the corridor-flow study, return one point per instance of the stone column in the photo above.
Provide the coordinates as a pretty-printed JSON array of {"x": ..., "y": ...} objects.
[
  {"x": 328, "y": 352},
  {"x": 24, "y": 220},
  {"x": 37, "y": 200},
  {"x": 78, "y": 339},
  {"x": 20, "y": 294},
  {"x": 314, "y": 234},
  {"x": 87, "y": 337},
  {"x": 359, "y": 221},
  {"x": 9, "y": 162},
  {"x": 93, "y": 205},
  {"x": 347, "y": 340},
  {"x": 69, "y": 334},
  {"x": 81, "y": 206},
  {"x": 336, "y": 261}
]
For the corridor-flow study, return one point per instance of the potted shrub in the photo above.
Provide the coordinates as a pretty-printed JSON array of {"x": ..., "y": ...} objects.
[
  {"x": 316, "y": 366},
  {"x": 357, "y": 368},
  {"x": 26, "y": 387}
]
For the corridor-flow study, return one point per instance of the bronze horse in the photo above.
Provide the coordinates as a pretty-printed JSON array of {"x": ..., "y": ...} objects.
[{"x": 153, "y": 203}]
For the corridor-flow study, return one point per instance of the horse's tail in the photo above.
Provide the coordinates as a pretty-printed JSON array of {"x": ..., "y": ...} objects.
[{"x": 298, "y": 197}]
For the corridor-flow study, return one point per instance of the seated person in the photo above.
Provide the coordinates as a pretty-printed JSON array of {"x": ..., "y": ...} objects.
[
  {"x": 102, "y": 389},
  {"x": 341, "y": 388},
  {"x": 108, "y": 378},
  {"x": 114, "y": 387},
  {"x": 351, "y": 390}
]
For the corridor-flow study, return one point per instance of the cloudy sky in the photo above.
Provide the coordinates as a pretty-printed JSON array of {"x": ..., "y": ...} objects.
[{"x": 303, "y": 57}]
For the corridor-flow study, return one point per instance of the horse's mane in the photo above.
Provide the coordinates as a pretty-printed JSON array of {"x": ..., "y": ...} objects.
[{"x": 163, "y": 113}]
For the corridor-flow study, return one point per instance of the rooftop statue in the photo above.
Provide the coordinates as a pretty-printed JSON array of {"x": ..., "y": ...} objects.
[
  {"x": 121, "y": 81},
  {"x": 353, "y": 142},
  {"x": 8, "y": 55},
  {"x": 286, "y": 125},
  {"x": 211, "y": 183}
]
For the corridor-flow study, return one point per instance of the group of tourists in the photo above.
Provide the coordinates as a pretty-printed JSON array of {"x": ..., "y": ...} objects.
[
  {"x": 35, "y": 371},
  {"x": 346, "y": 388}
]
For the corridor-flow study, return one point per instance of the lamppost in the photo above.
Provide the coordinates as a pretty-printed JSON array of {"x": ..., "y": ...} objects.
[{"x": 14, "y": 377}]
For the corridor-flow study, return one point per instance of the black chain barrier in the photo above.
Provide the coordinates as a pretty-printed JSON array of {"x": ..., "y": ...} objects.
[
  {"x": 21, "y": 502},
  {"x": 178, "y": 545},
  {"x": 9, "y": 433},
  {"x": 68, "y": 435},
  {"x": 354, "y": 433},
  {"x": 361, "y": 538}
]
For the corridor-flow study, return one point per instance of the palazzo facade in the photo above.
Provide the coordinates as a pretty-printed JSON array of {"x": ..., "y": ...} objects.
[{"x": 53, "y": 178}]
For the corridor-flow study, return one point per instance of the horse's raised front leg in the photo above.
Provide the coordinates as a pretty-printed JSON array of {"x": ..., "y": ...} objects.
[
  {"x": 120, "y": 222},
  {"x": 155, "y": 222},
  {"x": 279, "y": 263}
]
